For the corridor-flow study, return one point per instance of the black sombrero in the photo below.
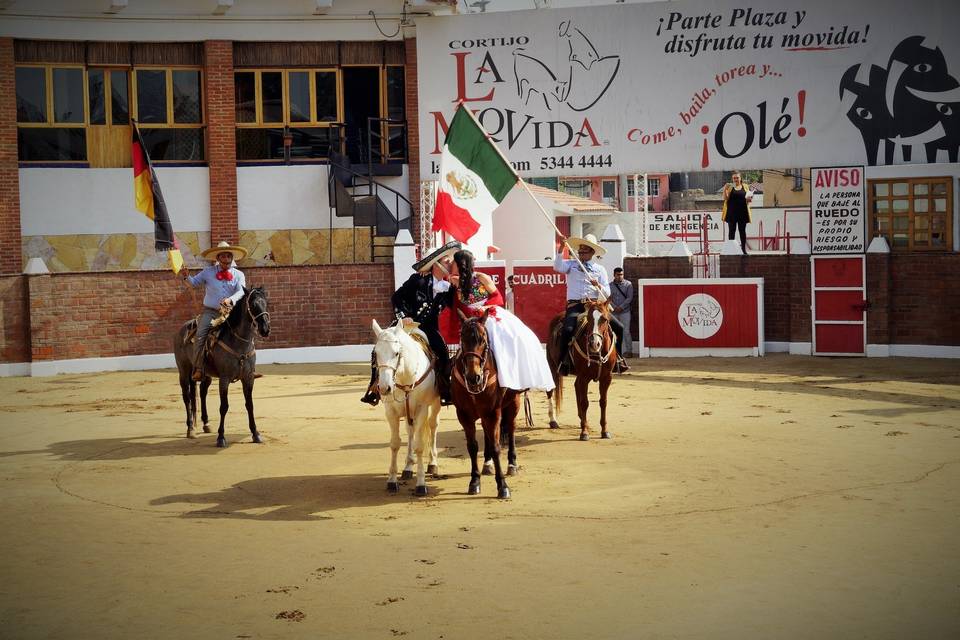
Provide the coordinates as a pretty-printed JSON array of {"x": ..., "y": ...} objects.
[{"x": 425, "y": 263}]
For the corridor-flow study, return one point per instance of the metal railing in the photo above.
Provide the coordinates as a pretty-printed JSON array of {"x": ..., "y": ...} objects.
[{"x": 386, "y": 221}]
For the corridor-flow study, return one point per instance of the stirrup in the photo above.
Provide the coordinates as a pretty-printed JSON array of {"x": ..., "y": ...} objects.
[{"x": 197, "y": 375}]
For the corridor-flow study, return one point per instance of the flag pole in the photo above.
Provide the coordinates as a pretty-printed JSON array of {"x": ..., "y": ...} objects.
[{"x": 526, "y": 188}]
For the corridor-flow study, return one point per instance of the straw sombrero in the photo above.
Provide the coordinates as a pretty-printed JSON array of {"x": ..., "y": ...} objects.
[
  {"x": 589, "y": 240},
  {"x": 239, "y": 253},
  {"x": 431, "y": 258}
]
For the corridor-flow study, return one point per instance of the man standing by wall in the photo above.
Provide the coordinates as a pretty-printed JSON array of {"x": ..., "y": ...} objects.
[{"x": 621, "y": 296}]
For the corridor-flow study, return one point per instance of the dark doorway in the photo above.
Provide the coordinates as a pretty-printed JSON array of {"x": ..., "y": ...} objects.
[{"x": 361, "y": 100}]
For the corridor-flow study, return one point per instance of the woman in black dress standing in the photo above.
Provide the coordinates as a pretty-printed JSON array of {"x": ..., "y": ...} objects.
[{"x": 736, "y": 209}]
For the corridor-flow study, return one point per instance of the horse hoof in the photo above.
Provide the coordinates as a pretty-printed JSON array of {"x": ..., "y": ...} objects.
[
  {"x": 256, "y": 439},
  {"x": 554, "y": 425},
  {"x": 473, "y": 489},
  {"x": 584, "y": 436},
  {"x": 406, "y": 475},
  {"x": 221, "y": 443},
  {"x": 393, "y": 487},
  {"x": 433, "y": 469},
  {"x": 207, "y": 429},
  {"x": 504, "y": 493},
  {"x": 606, "y": 435},
  {"x": 420, "y": 491},
  {"x": 513, "y": 470},
  {"x": 487, "y": 470},
  {"x": 191, "y": 433}
]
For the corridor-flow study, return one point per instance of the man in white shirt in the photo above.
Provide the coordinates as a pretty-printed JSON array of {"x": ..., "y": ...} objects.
[{"x": 584, "y": 282}]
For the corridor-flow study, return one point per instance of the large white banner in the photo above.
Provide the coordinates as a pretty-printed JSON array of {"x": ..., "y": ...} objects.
[{"x": 705, "y": 85}]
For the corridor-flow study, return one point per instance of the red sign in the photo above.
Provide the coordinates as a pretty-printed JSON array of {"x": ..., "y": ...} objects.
[
  {"x": 718, "y": 315},
  {"x": 539, "y": 294}
]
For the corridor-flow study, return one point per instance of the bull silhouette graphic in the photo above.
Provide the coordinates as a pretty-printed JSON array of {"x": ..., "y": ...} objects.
[
  {"x": 579, "y": 81},
  {"x": 913, "y": 102}
]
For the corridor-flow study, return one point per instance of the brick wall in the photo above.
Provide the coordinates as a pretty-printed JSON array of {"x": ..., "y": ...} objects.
[
  {"x": 924, "y": 298},
  {"x": 14, "y": 320},
  {"x": 139, "y": 312},
  {"x": 221, "y": 140},
  {"x": 644, "y": 268},
  {"x": 10, "y": 259},
  {"x": 413, "y": 133},
  {"x": 913, "y": 300},
  {"x": 878, "y": 295},
  {"x": 786, "y": 292},
  {"x": 913, "y": 296}
]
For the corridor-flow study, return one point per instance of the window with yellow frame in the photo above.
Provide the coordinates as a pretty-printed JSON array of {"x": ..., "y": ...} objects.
[
  {"x": 51, "y": 113},
  {"x": 303, "y": 102},
  {"x": 168, "y": 108},
  {"x": 913, "y": 214},
  {"x": 58, "y": 107}
]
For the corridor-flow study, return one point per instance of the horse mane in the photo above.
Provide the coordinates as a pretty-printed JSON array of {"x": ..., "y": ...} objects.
[
  {"x": 602, "y": 306},
  {"x": 475, "y": 326},
  {"x": 236, "y": 312}
]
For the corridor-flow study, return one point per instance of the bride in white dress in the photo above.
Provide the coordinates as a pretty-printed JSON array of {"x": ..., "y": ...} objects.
[{"x": 521, "y": 361}]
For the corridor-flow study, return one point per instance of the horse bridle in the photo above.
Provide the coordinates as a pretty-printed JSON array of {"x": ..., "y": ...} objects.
[
  {"x": 405, "y": 388},
  {"x": 599, "y": 359},
  {"x": 254, "y": 318},
  {"x": 249, "y": 352},
  {"x": 482, "y": 357}
]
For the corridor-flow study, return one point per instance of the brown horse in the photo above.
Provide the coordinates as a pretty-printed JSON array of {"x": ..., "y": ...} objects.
[
  {"x": 232, "y": 358},
  {"x": 477, "y": 395},
  {"x": 594, "y": 354}
]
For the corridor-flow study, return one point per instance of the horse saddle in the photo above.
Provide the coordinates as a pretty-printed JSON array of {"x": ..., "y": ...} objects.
[
  {"x": 421, "y": 339},
  {"x": 578, "y": 330},
  {"x": 212, "y": 336}
]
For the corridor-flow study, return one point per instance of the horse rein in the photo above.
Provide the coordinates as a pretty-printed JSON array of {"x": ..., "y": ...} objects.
[
  {"x": 405, "y": 388},
  {"x": 589, "y": 357},
  {"x": 254, "y": 318},
  {"x": 482, "y": 357}
]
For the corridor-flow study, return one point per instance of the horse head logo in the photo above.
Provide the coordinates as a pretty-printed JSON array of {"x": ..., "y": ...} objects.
[{"x": 579, "y": 81}]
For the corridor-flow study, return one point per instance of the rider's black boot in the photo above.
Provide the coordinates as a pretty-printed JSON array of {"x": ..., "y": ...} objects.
[
  {"x": 443, "y": 386},
  {"x": 372, "y": 396},
  {"x": 565, "y": 366}
]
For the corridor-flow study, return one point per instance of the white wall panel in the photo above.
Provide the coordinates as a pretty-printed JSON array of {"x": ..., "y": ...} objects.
[{"x": 94, "y": 201}]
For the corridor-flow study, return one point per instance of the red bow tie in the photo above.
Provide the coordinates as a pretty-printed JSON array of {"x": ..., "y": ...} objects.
[{"x": 224, "y": 275}]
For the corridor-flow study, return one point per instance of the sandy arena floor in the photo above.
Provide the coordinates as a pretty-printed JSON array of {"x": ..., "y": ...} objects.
[{"x": 772, "y": 498}]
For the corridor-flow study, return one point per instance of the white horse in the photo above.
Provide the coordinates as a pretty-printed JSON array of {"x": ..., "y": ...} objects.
[{"x": 408, "y": 387}]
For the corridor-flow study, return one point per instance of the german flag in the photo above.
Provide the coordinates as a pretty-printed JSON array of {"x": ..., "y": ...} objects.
[{"x": 149, "y": 200}]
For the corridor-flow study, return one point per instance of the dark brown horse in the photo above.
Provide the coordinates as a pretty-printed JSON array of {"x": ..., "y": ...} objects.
[
  {"x": 232, "y": 358},
  {"x": 594, "y": 355},
  {"x": 477, "y": 395}
]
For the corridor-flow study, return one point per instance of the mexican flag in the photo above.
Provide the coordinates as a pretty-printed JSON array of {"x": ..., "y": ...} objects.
[{"x": 474, "y": 177}]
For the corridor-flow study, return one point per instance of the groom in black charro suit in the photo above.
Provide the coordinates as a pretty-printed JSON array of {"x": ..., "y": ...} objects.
[{"x": 421, "y": 299}]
